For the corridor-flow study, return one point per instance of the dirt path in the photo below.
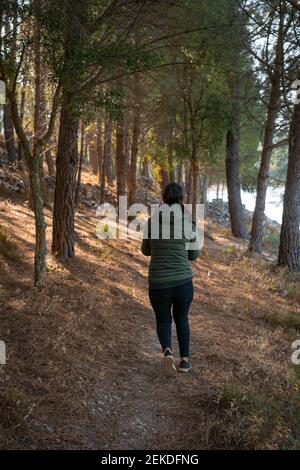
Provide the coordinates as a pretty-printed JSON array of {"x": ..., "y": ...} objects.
[
  {"x": 85, "y": 363},
  {"x": 231, "y": 347}
]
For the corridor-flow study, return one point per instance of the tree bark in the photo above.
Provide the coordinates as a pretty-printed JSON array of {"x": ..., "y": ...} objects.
[
  {"x": 238, "y": 226},
  {"x": 74, "y": 34},
  {"x": 40, "y": 224},
  {"x": 64, "y": 200},
  {"x": 170, "y": 156},
  {"x": 145, "y": 168},
  {"x": 80, "y": 164},
  {"x": 32, "y": 161},
  {"x": 93, "y": 159},
  {"x": 99, "y": 149},
  {"x": 9, "y": 134},
  {"x": 181, "y": 174},
  {"x": 107, "y": 150},
  {"x": 256, "y": 238},
  {"x": 106, "y": 155},
  {"x": 164, "y": 178},
  {"x": 203, "y": 191},
  {"x": 127, "y": 151},
  {"x": 189, "y": 186},
  {"x": 136, "y": 129},
  {"x": 120, "y": 158},
  {"x": 7, "y": 110},
  {"x": 289, "y": 251},
  {"x": 195, "y": 185},
  {"x": 50, "y": 163},
  {"x": 39, "y": 100},
  {"x": 22, "y": 110}
]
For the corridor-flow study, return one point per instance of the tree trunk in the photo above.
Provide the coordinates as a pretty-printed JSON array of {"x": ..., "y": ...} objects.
[
  {"x": 127, "y": 151},
  {"x": 40, "y": 225},
  {"x": 99, "y": 149},
  {"x": 50, "y": 163},
  {"x": 289, "y": 251},
  {"x": 189, "y": 186},
  {"x": 93, "y": 159},
  {"x": 107, "y": 150},
  {"x": 170, "y": 157},
  {"x": 238, "y": 226},
  {"x": 181, "y": 174},
  {"x": 43, "y": 186},
  {"x": 195, "y": 186},
  {"x": 106, "y": 155},
  {"x": 80, "y": 164},
  {"x": 9, "y": 134},
  {"x": 32, "y": 162},
  {"x": 164, "y": 178},
  {"x": 145, "y": 168},
  {"x": 64, "y": 199},
  {"x": 20, "y": 148},
  {"x": 120, "y": 158},
  {"x": 256, "y": 238},
  {"x": 39, "y": 100},
  {"x": 134, "y": 148},
  {"x": 103, "y": 179},
  {"x": 203, "y": 191}
]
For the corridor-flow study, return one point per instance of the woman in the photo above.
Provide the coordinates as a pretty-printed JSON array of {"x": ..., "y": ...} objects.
[{"x": 170, "y": 274}]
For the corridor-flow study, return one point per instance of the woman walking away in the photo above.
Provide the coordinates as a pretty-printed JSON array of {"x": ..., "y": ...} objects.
[{"x": 168, "y": 238}]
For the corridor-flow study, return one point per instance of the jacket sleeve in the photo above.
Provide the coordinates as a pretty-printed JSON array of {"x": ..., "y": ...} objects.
[
  {"x": 146, "y": 248},
  {"x": 194, "y": 253}
]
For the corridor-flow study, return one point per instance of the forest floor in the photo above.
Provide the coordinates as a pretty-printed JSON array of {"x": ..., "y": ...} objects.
[{"x": 84, "y": 365}]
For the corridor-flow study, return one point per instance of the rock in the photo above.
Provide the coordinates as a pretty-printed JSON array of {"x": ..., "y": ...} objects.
[
  {"x": 89, "y": 203},
  {"x": 12, "y": 182},
  {"x": 218, "y": 211}
]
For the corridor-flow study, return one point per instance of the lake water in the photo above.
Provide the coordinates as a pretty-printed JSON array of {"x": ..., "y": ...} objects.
[{"x": 274, "y": 201}]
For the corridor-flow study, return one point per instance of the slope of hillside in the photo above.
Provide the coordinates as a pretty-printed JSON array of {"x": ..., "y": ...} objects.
[{"x": 83, "y": 367}]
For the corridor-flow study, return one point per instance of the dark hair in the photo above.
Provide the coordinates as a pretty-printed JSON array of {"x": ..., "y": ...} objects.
[{"x": 173, "y": 193}]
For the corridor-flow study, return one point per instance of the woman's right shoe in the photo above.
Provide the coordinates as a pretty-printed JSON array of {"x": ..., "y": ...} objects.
[
  {"x": 184, "y": 366},
  {"x": 169, "y": 365}
]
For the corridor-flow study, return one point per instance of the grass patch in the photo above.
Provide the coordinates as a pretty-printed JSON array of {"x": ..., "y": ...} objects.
[
  {"x": 225, "y": 232},
  {"x": 271, "y": 238},
  {"x": 290, "y": 320},
  {"x": 105, "y": 252},
  {"x": 12, "y": 409},
  {"x": 296, "y": 373},
  {"x": 233, "y": 398},
  {"x": 8, "y": 248},
  {"x": 247, "y": 419},
  {"x": 293, "y": 291},
  {"x": 5, "y": 206},
  {"x": 230, "y": 250}
]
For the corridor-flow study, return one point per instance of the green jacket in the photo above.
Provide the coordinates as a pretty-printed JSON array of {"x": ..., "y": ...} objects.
[{"x": 170, "y": 257}]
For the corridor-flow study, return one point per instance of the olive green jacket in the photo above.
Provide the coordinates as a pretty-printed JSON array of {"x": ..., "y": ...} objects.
[{"x": 170, "y": 257}]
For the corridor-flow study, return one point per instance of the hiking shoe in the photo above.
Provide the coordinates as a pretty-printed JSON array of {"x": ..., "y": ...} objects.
[
  {"x": 184, "y": 366},
  {"x": 169, "y": 365}
]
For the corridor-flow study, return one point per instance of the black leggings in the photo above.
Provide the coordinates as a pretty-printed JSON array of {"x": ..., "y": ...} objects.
[{"x": 162, "y": 300}]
